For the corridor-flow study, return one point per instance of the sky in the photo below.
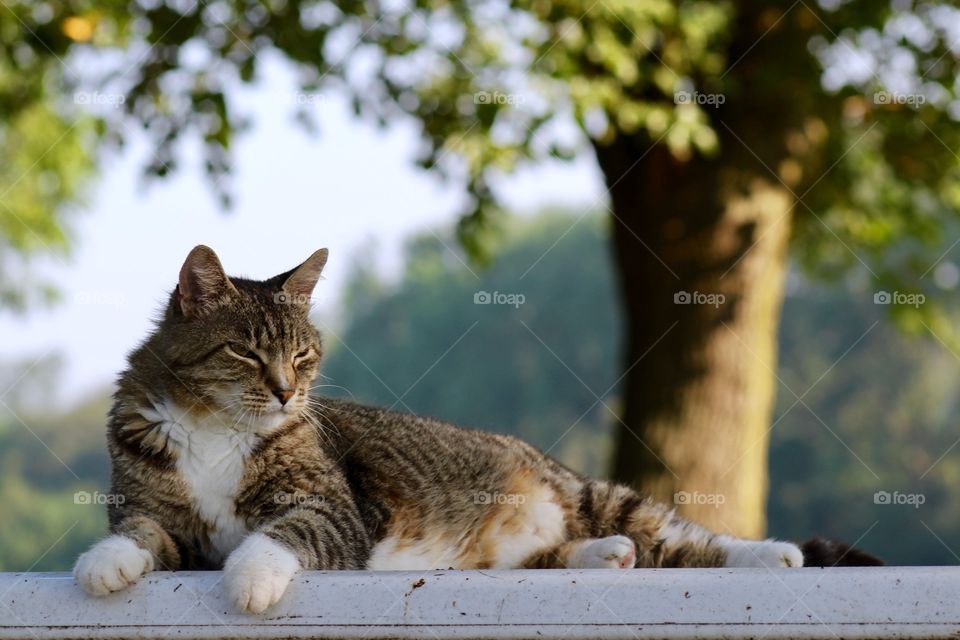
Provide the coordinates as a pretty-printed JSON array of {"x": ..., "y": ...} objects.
[{"x": 293, "y": 193}]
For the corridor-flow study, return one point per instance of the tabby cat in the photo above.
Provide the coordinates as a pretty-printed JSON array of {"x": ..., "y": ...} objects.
[{"x": 222, "y": 459}]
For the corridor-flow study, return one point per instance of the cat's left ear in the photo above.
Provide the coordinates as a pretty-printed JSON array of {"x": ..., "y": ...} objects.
[
  {"x": 203, "y": 286},
  {"x": 302, "y": 280}
]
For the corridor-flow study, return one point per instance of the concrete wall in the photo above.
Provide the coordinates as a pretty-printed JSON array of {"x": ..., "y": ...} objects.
[{"x": 892, "y": 602}]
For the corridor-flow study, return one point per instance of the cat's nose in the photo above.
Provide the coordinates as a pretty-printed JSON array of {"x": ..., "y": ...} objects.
[{"x": 283, "y": 395}]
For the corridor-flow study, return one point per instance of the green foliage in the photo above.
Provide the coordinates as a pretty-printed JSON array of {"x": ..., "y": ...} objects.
[
  {"x": 45, "y": 459},
  {"x": 45, "y": 530},
  {"x": 878, "y": 413},
  {"x": 48, "y": 153},
  {"x": 423, "y": 344}
]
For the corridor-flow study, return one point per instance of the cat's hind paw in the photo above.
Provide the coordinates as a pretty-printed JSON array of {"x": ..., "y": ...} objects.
[
  {"x": 613, "y": 552},
  {"x": 258, "y": 572},
  {"x": 770, "y": 554},
  {"x": 112, "y": 564}
]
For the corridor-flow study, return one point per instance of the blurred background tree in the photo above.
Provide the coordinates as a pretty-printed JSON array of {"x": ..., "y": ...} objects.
[
  {"x": 722, "y": 129},
  {"x": 48, "y": 155}
]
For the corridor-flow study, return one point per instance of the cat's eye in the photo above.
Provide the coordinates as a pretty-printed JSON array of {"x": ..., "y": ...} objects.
[
  {"x": 303, "y": 354},
  {"x": 241, "y": 351}
]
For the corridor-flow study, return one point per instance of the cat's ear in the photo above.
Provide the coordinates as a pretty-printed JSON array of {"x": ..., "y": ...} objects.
[
  {"x": 203, "y": 284},
  {"x": 301, "y": 281}
]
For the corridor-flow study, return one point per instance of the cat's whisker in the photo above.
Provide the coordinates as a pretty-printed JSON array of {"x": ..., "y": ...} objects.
[
  {"x": 319, "y": 407},
  {"x": 225, "y": 407},
  {"x": 319, "y": 427},
  {"x": 240, "y": 418},
  {"x": 330, "y": 386}
]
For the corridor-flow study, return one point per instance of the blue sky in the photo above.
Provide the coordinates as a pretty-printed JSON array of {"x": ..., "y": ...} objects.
[{"x": 294, "y": 193}]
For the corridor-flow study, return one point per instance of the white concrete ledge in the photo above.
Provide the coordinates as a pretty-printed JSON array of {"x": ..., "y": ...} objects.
[{"x": 893, "y": 602}]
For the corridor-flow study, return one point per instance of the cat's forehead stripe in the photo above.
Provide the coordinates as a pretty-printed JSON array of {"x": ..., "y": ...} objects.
[{"x": 272, "y": 332}]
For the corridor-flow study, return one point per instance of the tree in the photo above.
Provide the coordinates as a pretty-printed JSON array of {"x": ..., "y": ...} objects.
[
  {"x": 48, "y": 154},
  {"x": 722, "y": 129},
  {"x": 891, "y": 400}
]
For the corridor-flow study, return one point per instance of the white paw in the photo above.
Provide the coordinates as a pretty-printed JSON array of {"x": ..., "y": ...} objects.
[
  {"x": 614, "y": 552},
  {"x": 258, "y": 572},
  {"x": 762, "y": 553},
  {"x": 112, "y": 564}
]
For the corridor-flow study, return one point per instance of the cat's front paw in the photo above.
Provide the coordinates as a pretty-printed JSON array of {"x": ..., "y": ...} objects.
[
  {"x": 613, "y": 552},
  {"x": 112, "y": 564},
  {"x": 770, "y": 554},
  {"x": 257, "y": 573}
]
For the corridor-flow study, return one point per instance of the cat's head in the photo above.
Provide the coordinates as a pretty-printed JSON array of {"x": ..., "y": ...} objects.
[{"x": 240, "y": 353}]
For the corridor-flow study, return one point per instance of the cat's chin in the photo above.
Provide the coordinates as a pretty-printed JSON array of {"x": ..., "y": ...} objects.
[{"x": 272, "y": 420}]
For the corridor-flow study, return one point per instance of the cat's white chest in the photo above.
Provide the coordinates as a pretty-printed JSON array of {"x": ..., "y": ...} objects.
[{"x": 211, "y": 460}]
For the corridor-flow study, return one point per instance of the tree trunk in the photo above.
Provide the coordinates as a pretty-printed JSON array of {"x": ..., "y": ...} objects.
[
  {"x": 701, "y": 258},
  {"x": 701, "y": 246},
  {"x": 701, "y": 252}
]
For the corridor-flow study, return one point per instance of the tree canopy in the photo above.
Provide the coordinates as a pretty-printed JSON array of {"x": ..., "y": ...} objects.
[{"x": 869, "y": 90}]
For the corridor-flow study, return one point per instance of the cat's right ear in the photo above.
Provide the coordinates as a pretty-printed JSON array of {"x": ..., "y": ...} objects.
[
  {"x": 203, "y": 285},
  {"x": 301, "y": 281}
]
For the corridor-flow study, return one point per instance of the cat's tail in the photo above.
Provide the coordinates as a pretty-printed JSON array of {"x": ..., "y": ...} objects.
[{"x": 822, "y": 552}]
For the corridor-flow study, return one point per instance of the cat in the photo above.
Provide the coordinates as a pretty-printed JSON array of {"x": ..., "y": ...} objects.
[
  {"x": 823, "y": 552},
  {"x": 224, "y": 460}
]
